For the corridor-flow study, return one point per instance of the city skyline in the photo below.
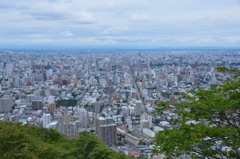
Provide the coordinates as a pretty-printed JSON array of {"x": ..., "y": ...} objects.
[{"x": 119, "y": 24}]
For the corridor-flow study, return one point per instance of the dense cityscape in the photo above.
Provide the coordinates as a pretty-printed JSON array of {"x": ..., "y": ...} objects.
[{"x": 111, "y": 93}]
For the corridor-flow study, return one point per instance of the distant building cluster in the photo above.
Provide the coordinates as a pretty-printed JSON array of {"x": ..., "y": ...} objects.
[{"x": 110, "y": 93}]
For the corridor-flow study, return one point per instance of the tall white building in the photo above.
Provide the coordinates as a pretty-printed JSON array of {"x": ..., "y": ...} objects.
[{"x": 47, "y": 119}]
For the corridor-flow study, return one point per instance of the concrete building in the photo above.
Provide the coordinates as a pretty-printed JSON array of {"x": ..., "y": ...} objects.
[
  {"x": 149, "y": 132},
  {"x": 52, "y": 107},
  {"x": 6, "y": 105},
  {"x": 30, "y": 98},
  {"x": 70, "y": 130},
  {"x": 47, "y": 119},
  {"x": 37, "y": 105},
  {"x": 51, "y": 99},
  {"x": 138, "y": 108},
  {"x": 146, "y": 121},
  {"x": 132, "y": 139},
  {"x": 106, "y": 130},
  {"x": 82, "y": 115},
  {"x": 9, "y": 68}
]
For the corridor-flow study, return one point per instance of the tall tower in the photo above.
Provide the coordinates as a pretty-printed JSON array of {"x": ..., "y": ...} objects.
[{"x": 106, "y": 130}]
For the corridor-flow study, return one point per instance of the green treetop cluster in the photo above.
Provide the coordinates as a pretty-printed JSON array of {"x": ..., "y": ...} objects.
[
  {"x": 30, "y": 142},
  {"x": 208, "y": 123},
  {"x": 66, "y": 103}
]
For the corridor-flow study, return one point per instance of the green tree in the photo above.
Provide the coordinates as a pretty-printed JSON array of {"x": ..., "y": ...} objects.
[
  {"x": 66, "y": 103},
  {"x": 23, "y": 142},
  {"x": 208, "y": 121},
  {"x": 30, "y": 142},
  {"x": 74, "y": 94},
  {"x": 90, "y": 146},
  {"x": 86, "y": 144},
  {"x": 102, "y": 153}
]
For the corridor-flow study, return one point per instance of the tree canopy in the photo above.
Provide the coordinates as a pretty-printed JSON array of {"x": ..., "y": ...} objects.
[
  {"x": 208, "y": 123},
  {"x": 30, "y": 142},
  {"x": 66, "y": 103}
]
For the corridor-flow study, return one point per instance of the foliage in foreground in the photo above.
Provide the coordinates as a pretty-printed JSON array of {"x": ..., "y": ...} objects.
[
  {"x": 31, "y": 142},
  {"x": 208, "y": 121}
]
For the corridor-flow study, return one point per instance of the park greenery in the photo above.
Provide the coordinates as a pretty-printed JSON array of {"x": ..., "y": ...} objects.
[
  {"x": 207, "y": 124},
  {"x": 19, "y": 141},
  {"x": 66, "y": 102}
]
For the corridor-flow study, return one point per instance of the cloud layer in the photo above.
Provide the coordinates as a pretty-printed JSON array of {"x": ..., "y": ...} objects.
[{"x": 121, "y": 22}]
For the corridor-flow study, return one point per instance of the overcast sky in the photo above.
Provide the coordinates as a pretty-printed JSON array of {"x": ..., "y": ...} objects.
[{"x": 120, "y": 22}]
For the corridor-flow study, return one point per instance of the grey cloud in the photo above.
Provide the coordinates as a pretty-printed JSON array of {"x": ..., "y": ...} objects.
[
  {"x": 67, "y": 18},
  {"x": 48, "y": 16},
  {"x": 6, "y": 6},
  {"x": 121, "y": 21}
]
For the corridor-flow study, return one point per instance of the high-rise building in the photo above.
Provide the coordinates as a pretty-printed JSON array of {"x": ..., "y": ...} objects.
[
  {"x": 146, "y": 121},
  {"x": 138, "y": 108},
  {"x": 70, "y": 129},
  {"x": 6, "y": 105},
  {"x": 67, "y": 118},
  {"x": 82, "y": 115},
  {"x": 47, "y": 118},
  {"x": 52, "y": 107},
  {"x": 9, "y": 68},
  {"x": 106, "y": 130},
  {"x": 37, "y": 105},
  {"x": 30, "y": 98}
]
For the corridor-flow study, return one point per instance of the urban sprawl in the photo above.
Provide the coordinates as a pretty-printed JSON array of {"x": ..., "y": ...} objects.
[{"x": 110, "y": 93}]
